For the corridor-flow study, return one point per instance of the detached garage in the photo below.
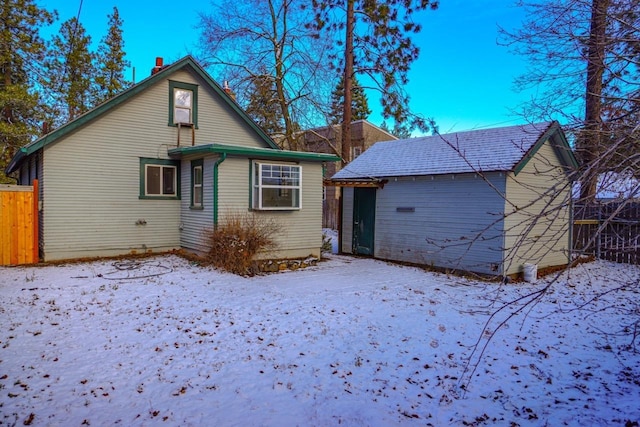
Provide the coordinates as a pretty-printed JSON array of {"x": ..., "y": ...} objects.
[{"x": 485, "y": 201}]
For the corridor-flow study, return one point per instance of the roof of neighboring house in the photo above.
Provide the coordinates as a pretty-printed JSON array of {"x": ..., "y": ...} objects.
[
  {"x": 614, "y": 186},
  {"x": 359, "y": 130},
  {"x": 498, "y": 149},
  {"x": 89, "y": 116}
]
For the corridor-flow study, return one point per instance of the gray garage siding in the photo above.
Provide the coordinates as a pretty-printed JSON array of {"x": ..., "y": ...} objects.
[{"x": 441, "y": 231}]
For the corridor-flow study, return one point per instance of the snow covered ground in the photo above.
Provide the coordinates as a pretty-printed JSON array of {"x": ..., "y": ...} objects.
[{"x": 349, "y": 342}]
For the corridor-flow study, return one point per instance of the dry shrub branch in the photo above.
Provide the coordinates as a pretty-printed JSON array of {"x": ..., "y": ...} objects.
[{"x": 238, "y": 239}]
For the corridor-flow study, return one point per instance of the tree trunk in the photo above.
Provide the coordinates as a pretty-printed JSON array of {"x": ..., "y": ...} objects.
[
  {"x": 348, "y": 76},
  {"x": 279, "y": 77},
  {"x": 590, "y": 144}
]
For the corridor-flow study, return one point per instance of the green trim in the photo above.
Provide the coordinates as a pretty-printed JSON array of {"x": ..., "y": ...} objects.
[
  {"x": 559, "y": 143},
  {"x": 194, "y": 107},
  {"x": 160, "y": 162},
  {"x": 186, "y": 62},
  {"x": 195, "y": 164},
  {"x": 215, "y": 189},
  {"x": 251, "y": 174},
  {"x": 253, "y": 153}
]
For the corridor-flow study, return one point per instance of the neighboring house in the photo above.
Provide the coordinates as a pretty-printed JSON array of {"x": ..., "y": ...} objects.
[
  {"x": 328, "y": 139},
  {"x": 614, "y": 187},
  {"x": 486, "y": 201},
  {"x": 159, "y": 165}
]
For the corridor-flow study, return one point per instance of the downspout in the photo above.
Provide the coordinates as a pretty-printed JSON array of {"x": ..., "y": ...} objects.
[{"x": 222, "y": 158}]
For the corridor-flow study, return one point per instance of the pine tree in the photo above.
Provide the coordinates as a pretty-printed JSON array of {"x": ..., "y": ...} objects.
[
  {"x": 71, "y": 73},
  {"x": 111, "y": 61},
  {"x": 359, "y": 102},
  {"x": 21, "y": 50},
  {"x": 263, "y": 106},
  {"x": 377, "y": 38}
]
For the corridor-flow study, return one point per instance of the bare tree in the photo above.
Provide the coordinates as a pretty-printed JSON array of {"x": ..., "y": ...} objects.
[
  {"x": 584, "y": 57},
  {"x": 266, "y": 42},
  {"x": 584, "y": 64}
]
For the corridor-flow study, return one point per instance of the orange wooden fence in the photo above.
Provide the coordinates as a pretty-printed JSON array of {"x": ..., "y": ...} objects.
[{"x": 19, "y": 224}]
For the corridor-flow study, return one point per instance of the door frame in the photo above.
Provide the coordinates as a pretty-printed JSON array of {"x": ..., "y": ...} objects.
[{"x": 364, "y": 197}]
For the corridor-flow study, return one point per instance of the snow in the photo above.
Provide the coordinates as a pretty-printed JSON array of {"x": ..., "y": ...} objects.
[{"x": 351, "y": 341}]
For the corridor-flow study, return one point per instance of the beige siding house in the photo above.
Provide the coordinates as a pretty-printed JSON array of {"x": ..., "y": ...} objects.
[
  {"x": 487, "y": 201},
  {"x": 160, "y": 164}
]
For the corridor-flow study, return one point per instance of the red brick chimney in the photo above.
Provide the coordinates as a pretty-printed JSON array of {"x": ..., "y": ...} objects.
[
  {"x": 159, "y": 65},
  {"x": 227, "y": 89}
]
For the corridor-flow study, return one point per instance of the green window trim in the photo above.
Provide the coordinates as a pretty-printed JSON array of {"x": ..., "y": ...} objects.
[
  {"x": 197, "y": 184},
  {"x": 144, "y": 162},
  {"x": 173, "y": 86}
]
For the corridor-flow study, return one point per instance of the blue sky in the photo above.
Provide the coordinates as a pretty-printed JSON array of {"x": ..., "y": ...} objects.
[{"x": 462, "y": 78}]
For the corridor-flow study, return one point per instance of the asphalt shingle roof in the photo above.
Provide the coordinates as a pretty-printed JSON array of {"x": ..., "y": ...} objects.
[{"x": 498, "y": 149}]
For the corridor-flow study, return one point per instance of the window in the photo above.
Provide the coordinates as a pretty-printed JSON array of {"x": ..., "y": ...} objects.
[
  {"x": 159, "y": 179},
  {"x": 357, "y": 151},
  {"x": 276, "y": 186},
  {"x": 196, "y": 184},
  {"x": 183, "y": 104}
]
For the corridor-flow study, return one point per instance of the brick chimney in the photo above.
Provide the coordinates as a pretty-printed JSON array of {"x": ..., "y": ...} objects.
[
  {"x": 228, "y": 90},
  {"x": 159, "y": 65}
]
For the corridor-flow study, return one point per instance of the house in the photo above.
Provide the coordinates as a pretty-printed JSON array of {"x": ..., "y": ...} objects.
[
  {"x": 328, "y": 139},
  {"x": 485, "y": 201},
  {"x": 156, "y": 167},
  {"x": 613, "y": 187}
]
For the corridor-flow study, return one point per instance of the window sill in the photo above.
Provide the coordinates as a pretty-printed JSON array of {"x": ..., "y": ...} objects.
[
  {"x": 196, "y": 208},
  {"x": 159, "y": 197},
  {"x": 277, "y": 209}
]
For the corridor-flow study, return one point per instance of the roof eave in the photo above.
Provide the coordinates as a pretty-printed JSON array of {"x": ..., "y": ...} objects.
[
  {"x": 262, "y": 153},
  {"x": 16, "y": 161},
  {"x": 559, "y": 144}
]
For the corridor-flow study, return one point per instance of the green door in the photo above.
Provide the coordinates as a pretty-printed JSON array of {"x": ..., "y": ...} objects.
[{"x": 364, "y": 213}]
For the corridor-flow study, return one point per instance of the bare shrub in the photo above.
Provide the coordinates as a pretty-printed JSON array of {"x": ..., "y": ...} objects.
[{"x": 238, "y": 239}]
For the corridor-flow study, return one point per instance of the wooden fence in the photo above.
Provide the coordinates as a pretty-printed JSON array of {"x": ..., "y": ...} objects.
[
  {"x": 610, "y": 231},
  {"x": 18, "y": 224}
]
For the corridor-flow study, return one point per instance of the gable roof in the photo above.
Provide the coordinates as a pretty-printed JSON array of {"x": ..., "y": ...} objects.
[
  {"x": 498, "y": 149},
  {"x": 187, "y": 62}
]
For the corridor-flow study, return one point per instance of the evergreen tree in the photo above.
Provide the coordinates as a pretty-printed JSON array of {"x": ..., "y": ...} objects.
[
  {"x": 71, "y": 73},
  {"x": 263, "y": 106},
  {"x": 21, "y": 50},
  {"x": 111, "y": 61},
  {"x": 359, "y": 103},
  {"x": 399, "y": 131}
]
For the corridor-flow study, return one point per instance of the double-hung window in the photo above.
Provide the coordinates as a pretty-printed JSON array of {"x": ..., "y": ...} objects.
[
  {"x": 276, "y": 186},
  {"x": 159, "y": 179},
  {"x": 183, "y": 104},
  {"x": 196, "y": 184}
]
